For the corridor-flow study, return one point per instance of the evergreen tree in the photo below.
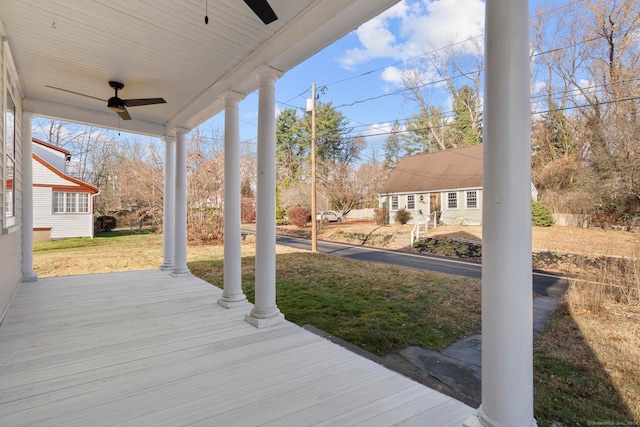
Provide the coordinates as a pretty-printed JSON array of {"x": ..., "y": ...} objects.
[
  {"x": 466, "y": 124},
  {"x": 392, "y": 147},
  {"x": 291, "y": 147},
  {"x": 332, "y": 129}
]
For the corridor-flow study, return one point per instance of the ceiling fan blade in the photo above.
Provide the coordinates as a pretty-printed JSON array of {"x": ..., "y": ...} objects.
[
  {"x": 143, "y": 101},
  {"x": 75, "y": 93},
  {"x": 124, "y": 114},
  {"x": 263, "y": 10}
]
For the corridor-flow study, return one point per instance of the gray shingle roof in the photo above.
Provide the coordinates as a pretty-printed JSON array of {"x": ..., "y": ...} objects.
[{"x": 440, "y": 170}]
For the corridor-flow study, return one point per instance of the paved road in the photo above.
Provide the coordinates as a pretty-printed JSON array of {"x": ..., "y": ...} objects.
[{"x": 543, "y": 283}]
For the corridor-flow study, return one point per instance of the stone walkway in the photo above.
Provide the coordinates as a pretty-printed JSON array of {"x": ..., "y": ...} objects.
[{"x": 456, "y": 371}]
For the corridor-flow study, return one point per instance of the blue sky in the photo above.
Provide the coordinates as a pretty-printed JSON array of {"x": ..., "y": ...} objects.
[
  {"x": 361, "y": 71},
  {"x": 363, "y": 68}
]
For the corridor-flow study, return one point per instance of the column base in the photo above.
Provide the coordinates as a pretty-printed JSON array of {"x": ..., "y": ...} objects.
[
  {"x": 182, "y": 272},
  {"x": 29, "y": 277},
  {"x": 165, "y": 266},
  {"x": 480, "y": 419},
  {"x": 264, "y": 323},
  {"x": 233, "y": 301}
]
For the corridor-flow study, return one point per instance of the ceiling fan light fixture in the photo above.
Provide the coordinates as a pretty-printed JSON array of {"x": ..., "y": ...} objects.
[{"x": 115, "y": 104}]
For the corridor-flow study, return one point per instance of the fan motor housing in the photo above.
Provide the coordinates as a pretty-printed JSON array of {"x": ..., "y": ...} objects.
[{"x": 115, "y": 104}]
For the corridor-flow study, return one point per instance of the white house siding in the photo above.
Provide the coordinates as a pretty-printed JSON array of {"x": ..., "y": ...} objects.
[
  {"x": 420, "y": 211},
  {"x": 10, "y": 232},
  {"x": 63, "y": 225},
  {"x": 71, "y": 225},
  {"x": 462, "y": 215},
  {"x": 43, "y": 175},
  {"x": 53, "y": 157}
]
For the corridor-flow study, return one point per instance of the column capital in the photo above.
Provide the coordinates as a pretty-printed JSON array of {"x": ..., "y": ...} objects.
[
  {"x": 264, "y": 71},
  {"x": 28, "y": 114},
  {"x": 179, "y": 131},
  {"x": 232, "y": 95},
  {"x": 169, "y": 139}
]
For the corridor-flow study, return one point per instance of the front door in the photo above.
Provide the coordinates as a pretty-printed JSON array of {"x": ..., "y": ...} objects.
[{"x": 434, "y": 206}]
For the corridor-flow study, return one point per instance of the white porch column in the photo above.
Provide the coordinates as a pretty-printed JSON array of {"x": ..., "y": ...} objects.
[
  {"x": 265, "y": 311},
  {"x": 507, "y": 337},
  {"x": 232, "y": 295},
  {"x": 180, "y": 250},
  {"x": 28, "y": 275},
  {"x": 168, "y": 217}
]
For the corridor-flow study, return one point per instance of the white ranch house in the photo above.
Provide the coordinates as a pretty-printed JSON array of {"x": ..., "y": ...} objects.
[
  {"x": 443, "y": 186},
  {"x": 163, "y": 347},
  {"x": 62, "y": 205}
]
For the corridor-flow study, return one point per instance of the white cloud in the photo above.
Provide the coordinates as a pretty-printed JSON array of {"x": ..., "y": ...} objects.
[
  {"x": 376, "y": 134},
  {"x": 412, "y": 27},
  {"x": 393, "y": 75}
]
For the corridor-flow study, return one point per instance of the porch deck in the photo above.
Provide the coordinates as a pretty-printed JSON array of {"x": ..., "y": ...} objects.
[{"x": 142, "y": 348}]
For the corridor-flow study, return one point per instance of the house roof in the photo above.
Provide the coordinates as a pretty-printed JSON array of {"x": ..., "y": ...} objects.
[
  {"x": 440, "y": 170},
  {"x": 76, "y": 182},
  {"x": 161, "y": 48},
  {"x": 67, "y": 154}
]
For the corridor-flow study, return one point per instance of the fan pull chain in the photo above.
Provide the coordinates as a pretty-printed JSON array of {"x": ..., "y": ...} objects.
[{"x": 206, "y": 16}]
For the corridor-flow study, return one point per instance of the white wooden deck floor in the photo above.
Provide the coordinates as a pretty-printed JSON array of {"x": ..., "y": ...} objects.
[{"x": 142, "y": 348}]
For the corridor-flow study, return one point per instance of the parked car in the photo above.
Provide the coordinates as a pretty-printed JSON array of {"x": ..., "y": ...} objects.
[{"x": 328, "y": 216}]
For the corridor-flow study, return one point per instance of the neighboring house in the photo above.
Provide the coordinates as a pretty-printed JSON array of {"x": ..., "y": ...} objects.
[
  {"x": 444, "y": 184},
  {"x": 62, "y": 205}
]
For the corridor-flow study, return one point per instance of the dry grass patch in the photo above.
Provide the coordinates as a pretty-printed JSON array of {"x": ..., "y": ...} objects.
[
  {"x": 118, "y": 251},
  {"x": 586, "y": 367},
  {"x": 555, "y": 238}
]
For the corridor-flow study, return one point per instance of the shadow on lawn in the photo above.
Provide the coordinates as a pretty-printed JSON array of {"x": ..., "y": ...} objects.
[
  {"x": 572, "y": 387},
  {"x": 123, "y": 232}
]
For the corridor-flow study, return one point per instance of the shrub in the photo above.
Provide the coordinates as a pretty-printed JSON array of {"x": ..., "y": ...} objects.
[
  {"x": 448, "y": 247},
  {"x": 248, "y": 210},
  {"x": 541, "y": 215},
  {"x": 299, "y": 216},
  {"x": 380, "y": 216},
  {"x": 107, "y": 222},
  {"x": 205, "y": 226},
  {"x": 402, "y": 216}
]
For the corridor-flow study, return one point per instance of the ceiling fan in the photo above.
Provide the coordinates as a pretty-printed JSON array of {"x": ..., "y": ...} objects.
[
  {"x": 117, "y": 104},
  {"x": 263, "y": 10}
]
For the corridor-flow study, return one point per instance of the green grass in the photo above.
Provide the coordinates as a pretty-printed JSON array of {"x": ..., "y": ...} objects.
[
  {"x": 379, "y": 308},
  {"x": 120, "y": 239}
]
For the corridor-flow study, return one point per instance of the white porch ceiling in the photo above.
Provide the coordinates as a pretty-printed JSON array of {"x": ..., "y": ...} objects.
[{"x": 161, "y": 48}]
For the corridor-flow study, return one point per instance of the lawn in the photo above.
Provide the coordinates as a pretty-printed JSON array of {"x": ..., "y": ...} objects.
[{"x": 585, "y": 361}]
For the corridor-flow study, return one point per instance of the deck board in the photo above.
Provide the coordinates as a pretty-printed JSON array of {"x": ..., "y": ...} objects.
[{"x": 143, "y": 348}]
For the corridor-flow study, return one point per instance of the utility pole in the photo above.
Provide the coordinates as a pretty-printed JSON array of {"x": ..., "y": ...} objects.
[{"x": 314, "y": 220}]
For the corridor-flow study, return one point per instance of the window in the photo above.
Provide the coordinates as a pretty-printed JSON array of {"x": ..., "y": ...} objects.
[
  {"x": 394, "y": 203},
  {"x": 70, "y": 202},
  {"x": 58, "y": 202},
  {"x": 472, "y": 199},
  {"x": 452, "y": 200},
  {"x": 411, "y": 201},
  {"x": 83, "y": 202},
  {"x": 9, "y": 155}
]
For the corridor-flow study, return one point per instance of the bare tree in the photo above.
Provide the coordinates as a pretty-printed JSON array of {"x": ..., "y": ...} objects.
[
  {"x": 591, "y": 56},
  {"x": 455, "y": 70}
]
